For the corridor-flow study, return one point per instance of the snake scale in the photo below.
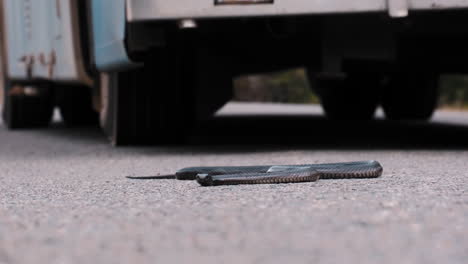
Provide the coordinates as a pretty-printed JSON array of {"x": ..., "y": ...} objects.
[{"x": 233, "y": 175}]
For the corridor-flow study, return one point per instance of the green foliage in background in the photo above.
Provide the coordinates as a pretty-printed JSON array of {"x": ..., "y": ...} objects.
[
  {"x": 292, "y": 87},
  {"x": 282, "y": 87},
  {"x": 454, "y": 91}
]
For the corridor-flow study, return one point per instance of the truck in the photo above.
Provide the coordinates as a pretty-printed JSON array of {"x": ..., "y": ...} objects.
[{"x": 149, "y": 70}]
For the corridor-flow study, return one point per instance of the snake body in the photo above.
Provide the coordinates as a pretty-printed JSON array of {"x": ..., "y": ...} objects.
[
  {"x": 233, "y": 175},
  {"x": 300, "y": 175}
]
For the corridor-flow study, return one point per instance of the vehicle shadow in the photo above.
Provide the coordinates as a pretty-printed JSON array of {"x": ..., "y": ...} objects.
[
  {"x": 250, "y": 133},
  {"x": 82, "y": 135},
  {"x": 316, "y": 131}
]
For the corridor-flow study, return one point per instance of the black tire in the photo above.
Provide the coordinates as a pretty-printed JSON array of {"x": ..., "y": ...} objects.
[
  {"x": 76, "y": 106},
  {"x": 138, "y": 113},
  {"x": 354, "y": 97},
  {"x": 162, "y": 101},
  {"x": 26, "y": 106},
  {"x": 410, "y": 96}
]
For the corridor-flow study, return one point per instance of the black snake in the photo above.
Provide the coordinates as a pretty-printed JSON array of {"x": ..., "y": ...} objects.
[{"x": 233, "y": 175}]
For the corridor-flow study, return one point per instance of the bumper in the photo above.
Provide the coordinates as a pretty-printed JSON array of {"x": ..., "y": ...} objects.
[{"x": 143, "y": 10}]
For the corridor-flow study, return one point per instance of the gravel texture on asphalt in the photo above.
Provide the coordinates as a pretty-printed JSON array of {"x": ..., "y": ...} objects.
[{"x": 64, "y": 198}]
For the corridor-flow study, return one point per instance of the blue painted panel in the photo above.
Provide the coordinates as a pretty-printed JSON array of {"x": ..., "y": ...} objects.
[
  {"x": 109, "y": 21},
  {"x": 18, "y": 35},
  {"x": 42, "y": 41}
]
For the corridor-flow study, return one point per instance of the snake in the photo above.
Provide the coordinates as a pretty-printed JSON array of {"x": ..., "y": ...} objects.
[{"x": 275, "y": 174}]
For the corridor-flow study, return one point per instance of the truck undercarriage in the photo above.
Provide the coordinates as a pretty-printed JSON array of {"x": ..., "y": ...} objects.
[{"x": 166, "y": 66}]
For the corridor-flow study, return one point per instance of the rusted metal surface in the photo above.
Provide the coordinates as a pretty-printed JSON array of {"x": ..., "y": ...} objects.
[
  {"x": 43, "y": 39},
  {"x": 27, "y": 16},
  {"x": 57, "y": 7},
  {"x": 28, "y": 62},
  {"x": 48, "y": 61}
]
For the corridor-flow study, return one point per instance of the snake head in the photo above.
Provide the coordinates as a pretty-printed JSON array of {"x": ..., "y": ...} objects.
[{"x": 204, "y": 179}]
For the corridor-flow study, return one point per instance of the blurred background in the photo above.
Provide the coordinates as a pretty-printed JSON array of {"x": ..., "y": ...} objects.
[{"x": 291, "y": 86}]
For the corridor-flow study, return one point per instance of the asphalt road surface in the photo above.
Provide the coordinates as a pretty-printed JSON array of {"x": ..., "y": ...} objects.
[{"x": 64, "y": 197}]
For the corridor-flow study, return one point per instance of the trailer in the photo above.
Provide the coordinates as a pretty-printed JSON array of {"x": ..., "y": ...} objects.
[{"x": 149, "y": 70}]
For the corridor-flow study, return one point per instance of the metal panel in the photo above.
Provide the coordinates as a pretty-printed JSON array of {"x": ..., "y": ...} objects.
[
  {"x": 43, "y": 42},
  {"x": 109, "y": 21},
  {"x": 139, "y": 10},
  {"x": 437, "y": 4},
  {"x": 169, "y": 9},
  {"x": 17, "y": 36},
  {"x": 398, "y": 8},
  {"x": 66, "y": 50}
]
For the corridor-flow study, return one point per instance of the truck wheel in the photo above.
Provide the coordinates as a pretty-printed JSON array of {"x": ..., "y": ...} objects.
[
  {"x": 26, "y": 106},
  {"x": 410, "y": 96},
  {"x": 76, "y": 106},
  {"x": 143, "y": 111},
  {"x": 135, "y": 111},
  {"x": 354, "y": 97},
  {"x": 162, "y": 101}
]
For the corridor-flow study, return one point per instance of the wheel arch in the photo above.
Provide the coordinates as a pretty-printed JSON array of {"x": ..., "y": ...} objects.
[{"x": 108, "y": 27}]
